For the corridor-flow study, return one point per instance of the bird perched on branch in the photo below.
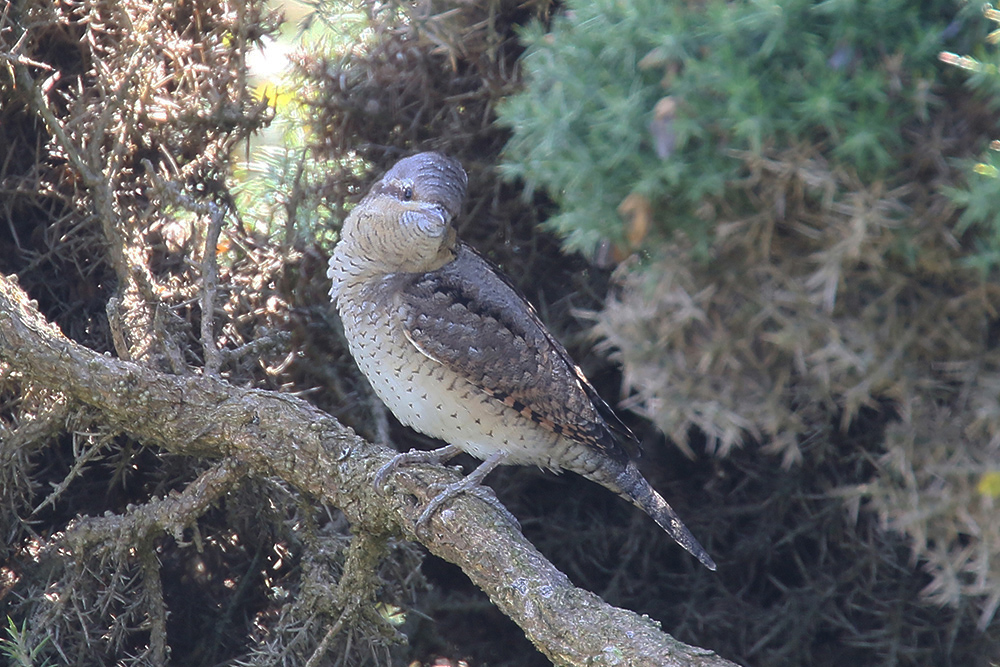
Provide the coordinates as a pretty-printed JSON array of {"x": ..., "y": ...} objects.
[{"x": 457, "y": 353}]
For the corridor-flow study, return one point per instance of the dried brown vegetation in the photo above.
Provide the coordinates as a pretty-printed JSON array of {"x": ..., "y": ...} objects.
[{"x": 834, "y": 299}]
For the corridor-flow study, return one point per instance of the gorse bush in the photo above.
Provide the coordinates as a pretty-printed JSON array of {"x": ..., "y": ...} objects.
[
  {"x": 846, "y": 77},
  {"x": 979, "y": 197},
  {"x": 791, "y": 180}
]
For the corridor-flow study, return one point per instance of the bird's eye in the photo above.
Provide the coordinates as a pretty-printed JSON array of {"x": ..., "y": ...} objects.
[{"x": 408, "y": 193}]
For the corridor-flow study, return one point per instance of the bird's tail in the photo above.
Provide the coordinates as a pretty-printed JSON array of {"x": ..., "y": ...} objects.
[{"x": 629, "y": 483}]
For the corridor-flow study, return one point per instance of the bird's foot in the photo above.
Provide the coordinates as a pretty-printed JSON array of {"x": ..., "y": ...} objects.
[
  {"x": 439, "y": 455},
  {"x": 472, "y": 484},
  {"x": 452, "y": 490}
]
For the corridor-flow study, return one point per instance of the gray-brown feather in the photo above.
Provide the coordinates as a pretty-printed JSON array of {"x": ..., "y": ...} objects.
[{"x": 465, "y": 316}]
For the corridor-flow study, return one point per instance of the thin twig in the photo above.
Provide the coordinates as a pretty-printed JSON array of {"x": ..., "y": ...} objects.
[
  {"x": 324, "y": 644},
  {"x": 209, "y": 285},
  {"x": 256, "y": 346},
  {"x": 78, "y": 465},
  {"x": 170, "y": 514},
  {"x": 293, "y": 201},
  {"x": 91, "y": 178},
  {"x": 157, "y": 609}
]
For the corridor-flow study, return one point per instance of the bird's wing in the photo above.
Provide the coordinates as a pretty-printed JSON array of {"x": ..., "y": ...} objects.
[{"x": 470, "y": 319}]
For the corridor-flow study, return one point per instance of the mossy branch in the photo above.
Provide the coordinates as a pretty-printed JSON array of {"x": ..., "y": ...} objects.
[{"x": 278, "y": 435}]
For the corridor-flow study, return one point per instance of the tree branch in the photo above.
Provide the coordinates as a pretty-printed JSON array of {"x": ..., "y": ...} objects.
[{"x": 279, "y": 435}]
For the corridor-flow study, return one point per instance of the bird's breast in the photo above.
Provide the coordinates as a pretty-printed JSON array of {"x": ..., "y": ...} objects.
[{"x": 430, "y": 397}]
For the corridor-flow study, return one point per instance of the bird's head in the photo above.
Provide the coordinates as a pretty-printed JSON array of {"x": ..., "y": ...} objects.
[{"x": 404, "y": 223}]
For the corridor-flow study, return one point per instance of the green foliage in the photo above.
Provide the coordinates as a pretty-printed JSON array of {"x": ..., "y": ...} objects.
[
  {"x": 16, "y": 646},
  {"x": 979, "y": 198},
  {"x": 843, "y": 75}
]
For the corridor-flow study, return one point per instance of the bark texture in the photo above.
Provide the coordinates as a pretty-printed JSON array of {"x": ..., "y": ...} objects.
[{"x": 271, "y": 434}]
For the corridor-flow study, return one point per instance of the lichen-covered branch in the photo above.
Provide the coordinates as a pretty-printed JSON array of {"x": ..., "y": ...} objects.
[{"x": 275, "y": 434}]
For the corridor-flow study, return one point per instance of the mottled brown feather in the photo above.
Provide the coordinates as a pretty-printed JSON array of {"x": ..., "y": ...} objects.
[{"x": 467, "y": 317}]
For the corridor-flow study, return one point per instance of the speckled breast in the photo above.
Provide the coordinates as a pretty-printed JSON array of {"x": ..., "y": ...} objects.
[{"x": 428, "y": 396}]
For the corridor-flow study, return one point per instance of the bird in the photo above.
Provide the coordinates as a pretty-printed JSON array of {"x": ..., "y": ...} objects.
[{"x": 457, "y": 353}]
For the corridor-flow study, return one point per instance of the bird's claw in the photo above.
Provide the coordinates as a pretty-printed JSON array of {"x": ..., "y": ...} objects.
[
  {"x": 384, "y": 471},
  {"x": 414, "y": 456},
  {"x": 471, "y": 483},
  {"x": 451, "y": 491}
]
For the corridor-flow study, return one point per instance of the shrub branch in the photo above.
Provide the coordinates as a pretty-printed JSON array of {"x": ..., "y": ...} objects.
[{"x": 278, "y": 435}]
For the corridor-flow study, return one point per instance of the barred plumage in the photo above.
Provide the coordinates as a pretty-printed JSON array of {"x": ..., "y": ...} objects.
[{"x": 457, "y": 353}]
